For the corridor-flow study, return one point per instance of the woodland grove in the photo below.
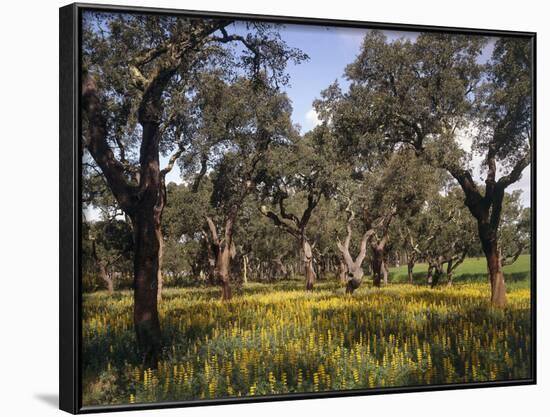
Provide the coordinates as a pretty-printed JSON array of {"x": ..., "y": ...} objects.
[{"x": 382, "y": 180}]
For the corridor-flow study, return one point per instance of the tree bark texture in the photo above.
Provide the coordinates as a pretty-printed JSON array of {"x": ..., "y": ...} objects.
[{"x": 308, "y": 265}]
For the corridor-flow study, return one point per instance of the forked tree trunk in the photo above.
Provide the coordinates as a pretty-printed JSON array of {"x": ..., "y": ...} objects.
[
  {"x": 487, "y": 210},
  {"x": 297, "y": 229}
]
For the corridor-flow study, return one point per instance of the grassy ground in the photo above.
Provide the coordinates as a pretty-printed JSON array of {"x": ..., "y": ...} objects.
[
  {"x": 276, "y": 338},
  {"x": 471, "y": 270}
]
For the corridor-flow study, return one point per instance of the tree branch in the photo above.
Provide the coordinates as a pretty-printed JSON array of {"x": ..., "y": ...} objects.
[
  {"x": 100, "y": 150},
  {"x": 279, "y": 223},
  {"x": 213, "y": 231},
  {"x": 515, "y": 174},
  {"x": 288, "y": 216},
  {"x": 173, "y": 159},
  {"x": 507, "y": 261}
]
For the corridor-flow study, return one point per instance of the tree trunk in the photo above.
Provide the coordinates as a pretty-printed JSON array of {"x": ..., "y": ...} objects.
[
  {"x": 494, "y": 266},
  {"x": 429, "y": 277},
  {"x": 310, "y": 276},
  {"x": 450, "y": 273},
  {"x": 410, "y": 267},
  {"x": 146, "y": 222},
  {"x": 377, "y": 261},
  {"x": 438, "y": 268},
  {"x": 226, "y": 291},
  {"x": 308, "y": 265},
  {"x": 110, "y": 284},
  {"x": 487, "y": 210},
  {"x": 146, "y": 270},
  {"x": 102, "y": 269},
  {"x": 223, "y": 273},
  {"x": 245, "y": 269},
  {"x": 221, "y": 252},
  {"x": 342, "y": 272},
  {"x": 106, "y": 278},
  {"x": 159, "y": 277},
  {"x": 385, "y": 272},
  {"x": 279, "y": 268}
]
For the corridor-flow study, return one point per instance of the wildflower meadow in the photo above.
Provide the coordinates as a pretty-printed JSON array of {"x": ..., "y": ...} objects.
[{"x": 278, "y": 339}]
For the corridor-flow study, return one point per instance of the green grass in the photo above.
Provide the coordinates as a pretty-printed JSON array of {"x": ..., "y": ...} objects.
[{"x": 472, "y": 269}]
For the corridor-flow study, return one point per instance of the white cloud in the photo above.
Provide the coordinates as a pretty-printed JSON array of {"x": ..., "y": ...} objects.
[{"x": 311, "y": 120}]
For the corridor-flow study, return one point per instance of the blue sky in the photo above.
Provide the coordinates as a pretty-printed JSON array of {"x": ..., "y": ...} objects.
[{"x": 329, "y": 50}]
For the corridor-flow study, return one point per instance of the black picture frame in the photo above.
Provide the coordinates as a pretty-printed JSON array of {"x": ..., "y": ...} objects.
[{"x": 70, "y": 205}]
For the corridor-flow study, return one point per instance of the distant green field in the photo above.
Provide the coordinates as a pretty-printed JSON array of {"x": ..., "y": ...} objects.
[{"x": 472, "y": 269}]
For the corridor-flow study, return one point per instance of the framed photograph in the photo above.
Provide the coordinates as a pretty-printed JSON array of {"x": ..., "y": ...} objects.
[{"x": 260, "y": 208}]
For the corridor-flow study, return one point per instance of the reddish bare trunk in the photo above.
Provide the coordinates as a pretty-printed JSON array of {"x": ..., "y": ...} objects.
[{"x": 496, "y": 275}]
